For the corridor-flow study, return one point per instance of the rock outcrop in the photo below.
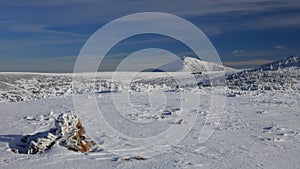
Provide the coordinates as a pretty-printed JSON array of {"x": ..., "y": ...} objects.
[
  {"x": 68, "y": 132},
  {"x": 72, "y": 134}
]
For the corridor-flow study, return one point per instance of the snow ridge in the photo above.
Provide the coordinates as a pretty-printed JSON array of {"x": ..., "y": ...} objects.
[
  {"x": 288, "y": 62},
  {"x": 280, "y": 75},
  {"x": 193, "y": 65},
  {"x": 198, "y": 66}
]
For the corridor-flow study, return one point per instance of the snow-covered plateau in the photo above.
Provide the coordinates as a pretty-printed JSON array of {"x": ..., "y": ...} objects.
[{"x": 257, "y": 127}]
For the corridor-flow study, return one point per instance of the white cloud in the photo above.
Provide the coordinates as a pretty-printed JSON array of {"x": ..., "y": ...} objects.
[
  {"x": 237, "y": 52},
  {"x": 279, "y": 47}
]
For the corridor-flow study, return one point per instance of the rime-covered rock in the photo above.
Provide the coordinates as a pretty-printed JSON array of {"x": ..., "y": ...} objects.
[
  {"x": 36, "y": 143},
  {"x": 39, "y": 145},
  {"x": 72, "y": 134},
  {"x": 68, "y": 132}
]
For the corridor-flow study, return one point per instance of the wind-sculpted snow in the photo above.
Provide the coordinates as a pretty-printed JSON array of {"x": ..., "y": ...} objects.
[
  {"x": 256, "y": 131},
  {"x": 278, "y": 75},
  {"x": 284, "y": 79},
  {"x": 288, "y": 62},
  {"x": 22, "y": 87}
]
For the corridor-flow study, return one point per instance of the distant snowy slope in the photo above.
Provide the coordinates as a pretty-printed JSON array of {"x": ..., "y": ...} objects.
[
  {"x": 196, "y": 65},
  {"x": 279, "y": 75},
  {"x": 189, "y": 64},
  {"x": 292, "y": 61}
]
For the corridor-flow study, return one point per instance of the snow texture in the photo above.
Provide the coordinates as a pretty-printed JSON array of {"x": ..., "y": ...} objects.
[{"x": 259, "y": 127}]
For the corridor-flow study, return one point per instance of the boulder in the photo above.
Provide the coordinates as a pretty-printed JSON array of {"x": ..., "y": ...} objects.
[
  {"x": 72, "y": 134},
  {"x": 68, "y": 132}
]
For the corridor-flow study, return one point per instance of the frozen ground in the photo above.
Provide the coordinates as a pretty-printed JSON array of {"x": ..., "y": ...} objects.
[
  {"x": 255, "y": 132},
  {"x": 259, "y": 127}
]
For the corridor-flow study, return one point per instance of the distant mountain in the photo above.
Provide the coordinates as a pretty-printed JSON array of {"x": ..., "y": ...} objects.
[
  {"x": 292, "y": 61},
  {"x": 189, "y": 64}
]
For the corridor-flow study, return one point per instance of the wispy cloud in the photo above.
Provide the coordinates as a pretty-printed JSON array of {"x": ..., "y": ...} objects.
[
  {"x": 35, "y": 28},
  {"x": 237, "y": 52},
  {"x": 51, "y": 28},
  {"x": 65, "y": 12},
  {"x": 280, "y": 47}
]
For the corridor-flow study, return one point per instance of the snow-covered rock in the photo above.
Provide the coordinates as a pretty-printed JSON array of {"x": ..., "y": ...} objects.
[
  {"x": 36, "y": 143},
  {"x": 72, "y": 134},
  {"x": 39, "y": 145},
  {"x": 68, "y": 132}
]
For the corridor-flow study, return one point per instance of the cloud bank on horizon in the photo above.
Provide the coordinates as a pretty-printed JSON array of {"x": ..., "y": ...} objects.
[{"x": 47, "y": 36}]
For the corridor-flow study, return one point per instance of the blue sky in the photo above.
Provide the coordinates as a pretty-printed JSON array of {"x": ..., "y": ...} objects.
[{"x": 46, "y": 36}]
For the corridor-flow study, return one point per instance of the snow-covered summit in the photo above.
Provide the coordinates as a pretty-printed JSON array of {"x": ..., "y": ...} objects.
[
  {"x": 189, "y": 64},
  {"x": 196, "y": 65}
]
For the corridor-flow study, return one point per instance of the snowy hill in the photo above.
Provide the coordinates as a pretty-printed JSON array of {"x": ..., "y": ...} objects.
[
  {"x": 189, "y": 64},
  {"x": 288, "y": 62},
  {"x": 279, "y": 75}
]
